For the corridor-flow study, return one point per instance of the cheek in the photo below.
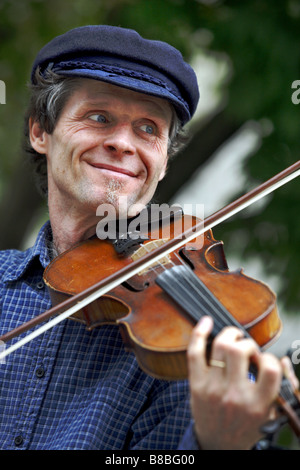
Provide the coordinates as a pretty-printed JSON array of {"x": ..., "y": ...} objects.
[
  {"x": 64, "y": 148},
  {"x": 161, "y": 168},
  {"x": 73, "y": 135},
  {"x": 157, "y": 160},
  {"x": 155, "y": 175}
]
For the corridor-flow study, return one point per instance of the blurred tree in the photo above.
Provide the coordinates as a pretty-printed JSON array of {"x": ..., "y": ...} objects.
[{"x": 258, "y": 38}]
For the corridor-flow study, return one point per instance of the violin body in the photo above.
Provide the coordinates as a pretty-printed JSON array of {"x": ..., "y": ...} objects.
[{"x": 152, "y": 324}]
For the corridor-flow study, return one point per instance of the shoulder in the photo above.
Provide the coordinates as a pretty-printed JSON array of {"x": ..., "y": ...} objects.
[
  {"x": 14, "y": 263},
  {"x": 10, "y": 260}
]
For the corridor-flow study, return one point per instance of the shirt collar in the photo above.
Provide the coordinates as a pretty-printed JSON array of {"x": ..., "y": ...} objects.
[{"x": 21, "y": 260}]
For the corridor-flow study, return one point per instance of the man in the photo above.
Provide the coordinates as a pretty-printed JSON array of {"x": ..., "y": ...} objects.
[{"x": 106, "y": 112}]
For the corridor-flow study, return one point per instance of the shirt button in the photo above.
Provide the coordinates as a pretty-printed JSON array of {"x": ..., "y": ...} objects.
[
  {"x": 40, "y": 285},
  {"x": 40, "y": 372},
  {"x": 18, "y": 440}
]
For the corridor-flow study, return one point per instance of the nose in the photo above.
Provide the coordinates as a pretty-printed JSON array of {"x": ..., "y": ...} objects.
[{"x": 120, "y": 141}]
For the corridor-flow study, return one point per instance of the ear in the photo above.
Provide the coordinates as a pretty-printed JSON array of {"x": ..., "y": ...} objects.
[{"x": 38, "y": 137}]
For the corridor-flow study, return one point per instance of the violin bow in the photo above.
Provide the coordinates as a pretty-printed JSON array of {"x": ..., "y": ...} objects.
[{"x": 72, "y": 305}]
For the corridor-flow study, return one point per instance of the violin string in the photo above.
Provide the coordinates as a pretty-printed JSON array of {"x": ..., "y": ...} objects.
[
  {"x": 221, "y": 315},
  {"x": 158, "y": 263},
  {"x": 173, "y": 289},
  {"x": 195, "y": 308},
  {"x": 287, "y": 393},
  {"x": 201, "y": 302},
  {"x": 219, "y": 310},
  {"x": 206, "y": 301}
]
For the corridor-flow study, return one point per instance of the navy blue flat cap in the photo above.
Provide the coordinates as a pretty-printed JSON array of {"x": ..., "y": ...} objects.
[{"x": 122, "y": 57}]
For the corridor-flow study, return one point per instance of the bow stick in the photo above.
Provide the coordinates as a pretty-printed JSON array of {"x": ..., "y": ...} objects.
[{"x": 82, "y": 299}]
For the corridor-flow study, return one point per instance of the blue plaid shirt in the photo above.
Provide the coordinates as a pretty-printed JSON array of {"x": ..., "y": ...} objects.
[{"x": 74, "y": 389}]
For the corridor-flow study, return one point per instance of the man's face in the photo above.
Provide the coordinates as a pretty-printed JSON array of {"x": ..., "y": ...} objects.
[{"x": 108, "y": 142}]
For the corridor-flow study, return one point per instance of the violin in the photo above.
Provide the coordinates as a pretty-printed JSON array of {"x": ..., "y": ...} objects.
[
  {"x": 157, "y": 308},
  {"x": 156, "y": 290}
]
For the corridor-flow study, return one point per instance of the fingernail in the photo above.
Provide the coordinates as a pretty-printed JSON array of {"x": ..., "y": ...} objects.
[{"x": 205, "y": 324}]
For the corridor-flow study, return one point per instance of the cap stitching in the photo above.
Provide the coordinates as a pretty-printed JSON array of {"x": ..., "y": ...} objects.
[{"x": 120, "y": 71}]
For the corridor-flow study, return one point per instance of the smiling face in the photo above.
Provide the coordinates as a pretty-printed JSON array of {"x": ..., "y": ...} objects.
[{"x": 109, "y": 142}]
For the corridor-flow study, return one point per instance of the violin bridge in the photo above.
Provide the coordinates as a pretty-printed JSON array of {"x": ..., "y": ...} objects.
[{"x": 146, "y": 248}]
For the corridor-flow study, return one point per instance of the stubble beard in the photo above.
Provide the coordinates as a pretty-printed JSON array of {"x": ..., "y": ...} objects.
[{"x": 113, "y": 190}]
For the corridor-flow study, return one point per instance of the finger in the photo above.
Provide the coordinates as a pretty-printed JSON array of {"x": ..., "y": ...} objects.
[
  {"x": 223, "y": 341},
  {"x": 269, "y": 376},
  {"x": 219, "y": 351},
  {"x": 197, "y": 347},
  {"x": 235, "y": 351},
  {"x": 239, "y": 359},
  {"x": 289, "y": 372}
]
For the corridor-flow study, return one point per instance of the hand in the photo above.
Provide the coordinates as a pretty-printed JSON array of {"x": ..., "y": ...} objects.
[
  {"x": 227, "y": 407},
  {"x": 289, "y": 372}
]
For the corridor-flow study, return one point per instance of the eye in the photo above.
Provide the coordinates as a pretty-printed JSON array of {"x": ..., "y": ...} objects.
[
  {"x": 148, "y": 129},
  {"x": 98, "y": 118}
]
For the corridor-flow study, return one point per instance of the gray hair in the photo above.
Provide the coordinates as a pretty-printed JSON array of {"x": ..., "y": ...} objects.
[{"x": 48, "y": 97}]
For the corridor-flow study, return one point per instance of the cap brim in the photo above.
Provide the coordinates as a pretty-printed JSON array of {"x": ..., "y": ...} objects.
[{"x": 131, "y": 83}]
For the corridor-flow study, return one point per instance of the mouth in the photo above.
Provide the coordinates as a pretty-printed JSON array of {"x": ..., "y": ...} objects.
[{"x": 113, "y": 169}]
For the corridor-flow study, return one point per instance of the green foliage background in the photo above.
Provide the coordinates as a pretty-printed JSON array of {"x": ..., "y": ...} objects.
[{"x": 260, "y": 39}]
